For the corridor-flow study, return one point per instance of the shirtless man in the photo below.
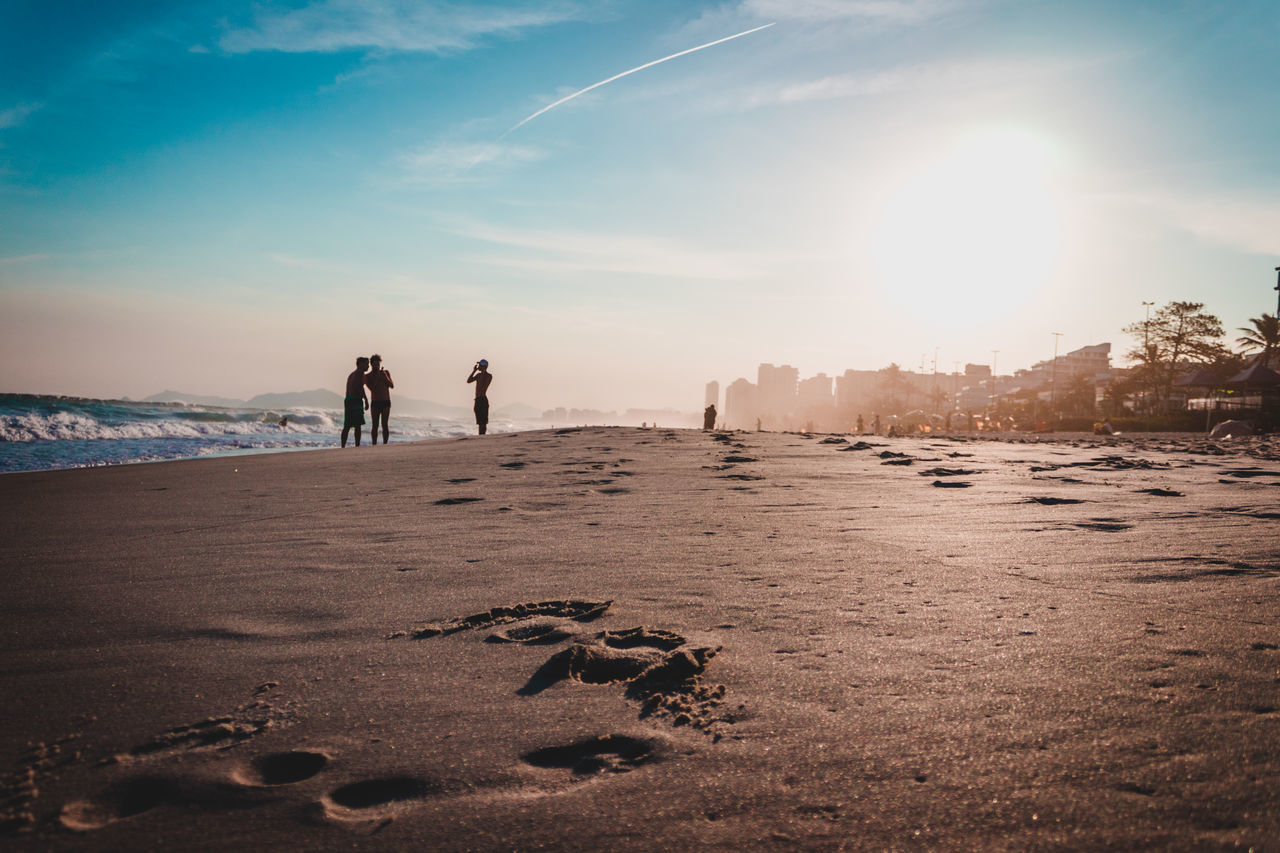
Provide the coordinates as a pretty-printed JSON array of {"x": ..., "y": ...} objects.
[
  {"x": 354, "y": 404},
  {"x": 481, "y": 376},
  {"x": 379, "y": 381}
]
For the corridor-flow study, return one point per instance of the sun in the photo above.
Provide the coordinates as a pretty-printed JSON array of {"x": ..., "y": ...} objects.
[{"x": 975, "y": 230}]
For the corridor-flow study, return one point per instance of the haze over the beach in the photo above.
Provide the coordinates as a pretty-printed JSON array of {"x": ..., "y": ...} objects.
[{"x": 230, "y": 198}]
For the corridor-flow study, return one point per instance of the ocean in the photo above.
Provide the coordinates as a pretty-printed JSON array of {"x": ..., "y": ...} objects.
[{"x": 39, "y": 433}]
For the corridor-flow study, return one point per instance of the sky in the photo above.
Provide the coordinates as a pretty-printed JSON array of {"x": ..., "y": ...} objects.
[{"x": 233, "y": 198}]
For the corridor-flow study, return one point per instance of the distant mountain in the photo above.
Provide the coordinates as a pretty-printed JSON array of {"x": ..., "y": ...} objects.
[
  {"x": 193, "y": 400},
  {"x": 320, "y": 398}
]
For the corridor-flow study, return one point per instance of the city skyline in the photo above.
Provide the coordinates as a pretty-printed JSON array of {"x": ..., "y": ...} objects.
[{"x": 613, "y": 201}]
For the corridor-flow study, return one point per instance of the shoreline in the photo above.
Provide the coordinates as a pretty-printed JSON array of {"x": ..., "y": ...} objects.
[{"x": 1136, "y": 439}]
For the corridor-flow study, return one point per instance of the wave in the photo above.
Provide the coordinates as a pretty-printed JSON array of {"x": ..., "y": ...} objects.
[{"x": 29, "y": 418}]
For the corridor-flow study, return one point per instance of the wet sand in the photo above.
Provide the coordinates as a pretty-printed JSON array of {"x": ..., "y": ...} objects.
[{"x": 636, "y": 639}]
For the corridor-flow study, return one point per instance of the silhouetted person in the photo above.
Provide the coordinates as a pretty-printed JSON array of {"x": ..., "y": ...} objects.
[
  {"x": 354, "y": 404},
  {"x": 860, "y": 425},
  {"x": 709, "y": 417},
  {"x": 875, "y": 424},
  {"x": 481, "y": 376},
  {"x": 379, "y": 381}
]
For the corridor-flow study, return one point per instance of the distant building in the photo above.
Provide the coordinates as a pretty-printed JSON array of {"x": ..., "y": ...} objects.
[
  {"x": 1092, "y": 362},
  {"x": 740, "y": 405},
  {"x": 776, "y": 390},
  {"x": 712, "y": 397},
  {"x": 977, "y": 371},
  {"x": 815, "y": 392}
]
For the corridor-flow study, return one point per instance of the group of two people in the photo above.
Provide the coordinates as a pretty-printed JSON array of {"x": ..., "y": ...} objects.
[{"x": 370, "y": 373}]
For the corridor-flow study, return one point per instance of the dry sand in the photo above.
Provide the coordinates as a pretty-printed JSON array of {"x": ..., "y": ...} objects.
[{"x": 758, "y": 641}]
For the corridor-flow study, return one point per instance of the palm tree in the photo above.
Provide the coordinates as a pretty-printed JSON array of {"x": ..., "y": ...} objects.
[{"x": 1264, "y": 335}]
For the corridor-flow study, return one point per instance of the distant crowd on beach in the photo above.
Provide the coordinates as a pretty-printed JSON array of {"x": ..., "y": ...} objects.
[{"x": 371, "y": 374}]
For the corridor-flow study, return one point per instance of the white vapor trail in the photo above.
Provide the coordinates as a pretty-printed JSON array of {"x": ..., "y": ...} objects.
[{"x": 633, "y": 71}]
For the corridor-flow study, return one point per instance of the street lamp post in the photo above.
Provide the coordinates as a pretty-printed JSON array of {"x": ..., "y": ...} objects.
[
  {"x": 1278, "y": 291},
  {"x": 955, "y": 386},
  {"x": 1053, "y": 377},
  {"x": 995, "y": 392}
]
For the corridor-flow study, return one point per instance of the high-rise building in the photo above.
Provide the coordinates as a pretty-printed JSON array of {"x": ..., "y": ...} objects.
[
  {"x": 815, "y": 391},
  {"x": 740, "y": 405},
  {"x": 776, "y": 390},
  {"x": 713, "y": 395}
]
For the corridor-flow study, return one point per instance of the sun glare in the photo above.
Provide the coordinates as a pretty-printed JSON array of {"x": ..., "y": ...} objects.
[{"x": 974, "y": 231}]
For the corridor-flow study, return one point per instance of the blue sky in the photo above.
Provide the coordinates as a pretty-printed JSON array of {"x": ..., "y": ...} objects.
[{"x": 234, "y": 198}]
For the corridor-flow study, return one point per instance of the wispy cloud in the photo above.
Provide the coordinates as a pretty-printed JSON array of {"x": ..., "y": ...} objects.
[
  {"x": 16, "y": 115},
  {"x": 391, "y": 25},
  {"x": 934, "y": 76},
  {"x": 576, "y": 251},
  {"x": 457, "y": 162},
  {"x": 817, "y": 11},
  {"x": 23, "y": 259}
]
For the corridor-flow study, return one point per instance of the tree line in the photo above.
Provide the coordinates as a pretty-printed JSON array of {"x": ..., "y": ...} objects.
[{"x": 1181, "y": 337}]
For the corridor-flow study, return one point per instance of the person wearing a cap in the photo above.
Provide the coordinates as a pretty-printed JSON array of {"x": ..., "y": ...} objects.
[
  {"x": 378, "y": 379},
  {"x": 482, "y": 377}
]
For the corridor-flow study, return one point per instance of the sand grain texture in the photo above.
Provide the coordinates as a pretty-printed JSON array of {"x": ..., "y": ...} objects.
[{"x": 648, "y": 639}]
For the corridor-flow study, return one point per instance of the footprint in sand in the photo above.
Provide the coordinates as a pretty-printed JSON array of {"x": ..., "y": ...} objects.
[
  {"x": 281, "y": 768},
  {"x": 221, "y": 732},
  {"x": 453, "y": 501},
  {"x": 653, "y": 664},
  {"x": 123, "y": 800},
  {"x": 578, "y": 611},
  {"x": 537, "y": 634},
  {"x": 138, "y": 795},
  {"x": 1052, "y": 501},
  {"x": 373, "y": 803},
  {"x": 595, "y": 756}
]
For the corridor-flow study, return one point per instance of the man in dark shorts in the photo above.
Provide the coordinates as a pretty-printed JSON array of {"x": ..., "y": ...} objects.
[
  {"x": 481, "y": 376},
  {"x": 354, "y": 404},
  {"x": 379, "y": 381}
]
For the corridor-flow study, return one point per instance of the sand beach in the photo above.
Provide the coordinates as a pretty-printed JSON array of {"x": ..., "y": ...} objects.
[{"x": 648, "y": 639}]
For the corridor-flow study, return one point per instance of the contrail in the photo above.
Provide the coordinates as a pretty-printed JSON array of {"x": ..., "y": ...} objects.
[{"x": 633, "y": 71}]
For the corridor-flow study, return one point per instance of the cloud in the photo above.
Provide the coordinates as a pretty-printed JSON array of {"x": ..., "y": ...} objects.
[
  {"x": 822, "y": 11},
  {"x": 572, "y": 251},
  {"x": 455, "y": 162},
  {"x": 934, "y": 76},
  {"x": 16, "y": 115},
  {"x": 391, "y": 25},
  {"x": 23, "y": 259}
]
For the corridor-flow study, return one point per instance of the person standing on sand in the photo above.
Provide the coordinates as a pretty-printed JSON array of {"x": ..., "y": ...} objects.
[
  {"x": 379, "y": 381},
  {"x": 709, "y": 417},
  {"x": 481, "y": 376},
  {"x": 354, "y": 404}
]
